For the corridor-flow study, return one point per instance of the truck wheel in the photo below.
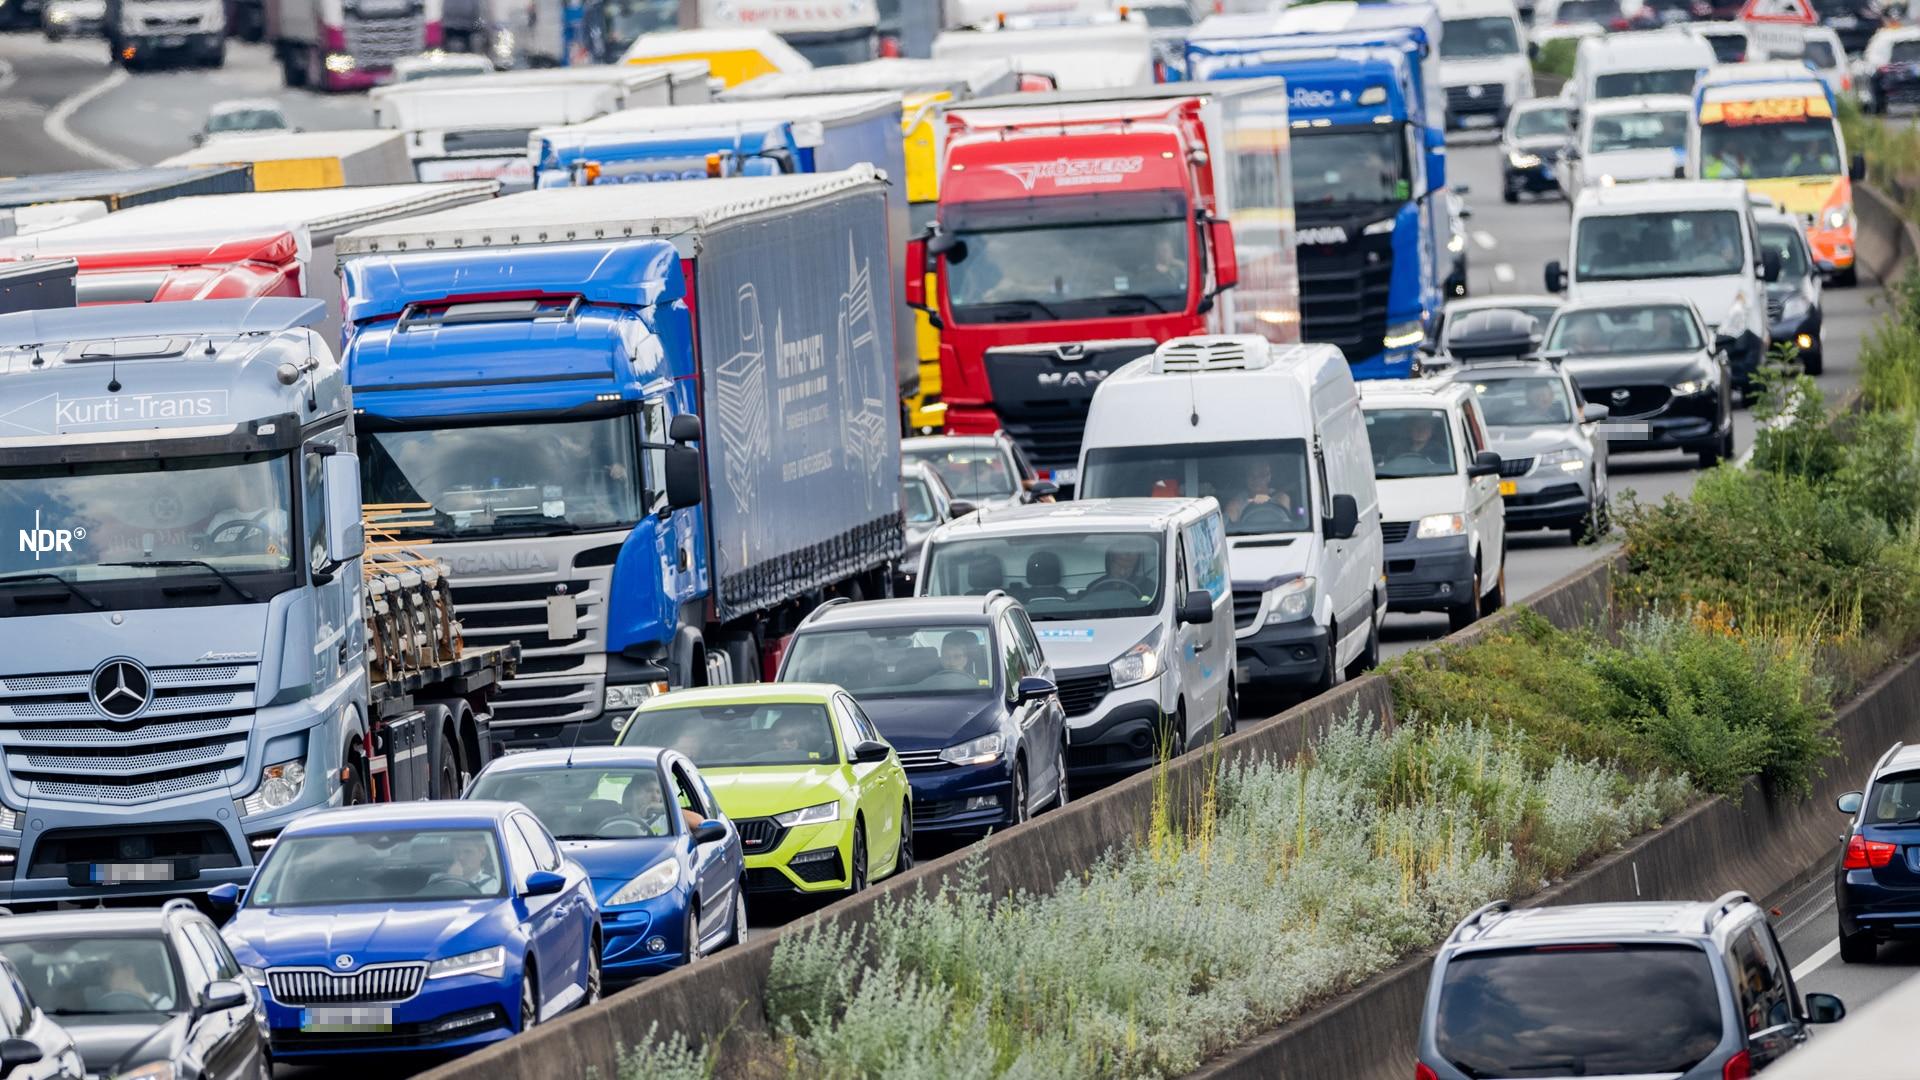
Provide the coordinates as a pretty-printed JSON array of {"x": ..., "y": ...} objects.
[
  {"x": 743, "y": 655},
  {"x": 293, "y": 69},
  {"x": 443, "y": 753},
  {"x": 353, "y": 791}
]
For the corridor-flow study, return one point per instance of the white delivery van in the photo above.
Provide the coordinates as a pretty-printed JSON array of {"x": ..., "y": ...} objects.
[
  {"x": 1132, "y": 602},
  {"x": 1443, "y": 524},
  {"x": 1086, "y": 56},
  {"x": 1622, "y": 140},
  {"x": 1689, "y": 239},
  {"x": 1636, "y": 63},
  {"x": 1275, "y": 433},
  {"x": 1483, "y": 61}
]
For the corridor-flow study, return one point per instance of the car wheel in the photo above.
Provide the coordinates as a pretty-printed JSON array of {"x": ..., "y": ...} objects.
[
  {"x": 1017, "y": 799},
  {"x": 1331, "y": 674},
  {"x": 1232, "y": 724},
  {"x": 738, "y": 936},
  {"x": 1462, "y": 615},
  {"x": 1496, "y": 599},
  {"x": 1511, "y": 193},
  {"x": 1593, "y": 526},
  {"x": 529, "y": 996},
  {"x": 1858, "y": 948},
  {"x": 1711, "y": 456},
  {"x": 594, "y": 977},
  {"x": 1813, "y": 361},
  {"x": 1061, "y": 796},
  {"x": 903, "y": 859},
  {"x": 857, "y": 873}
]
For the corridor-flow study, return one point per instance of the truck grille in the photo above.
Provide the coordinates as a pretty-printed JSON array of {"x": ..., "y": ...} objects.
[
  {"x": 1461, "y": 100},
  {"x": 318, "y": 986},
  {"x": 1344, "y": 289},
  {"x": 379, "y": 42},
  {"x": 1246, "y": 607},
  {"x": 1049, "y": 444},
  {"x": 1082, "y": 691},
  {"x": 1393, "y": 532},
  {"x": 191, "y": 736},
  {"x": 1516, "y": 466},
  {"x": 1041, "y": 391}
]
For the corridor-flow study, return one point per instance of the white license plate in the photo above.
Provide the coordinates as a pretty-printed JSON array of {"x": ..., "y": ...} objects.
[
  {"x": 1066, "y": 476},
  {"x": 125, "y": 873},
  {"x": 172, "y": 41},
  {"x": 346, "y": 1018},
  {"x": 1475, "y": 120}
]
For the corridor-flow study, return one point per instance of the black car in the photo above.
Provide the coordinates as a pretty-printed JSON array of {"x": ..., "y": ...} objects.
[
  {"x": 1665, "y": 380},
  {"x": 32, "y": 1045},
  {"x": 1854, "y": 21},
  {"x": 1793, "y": 299},
  {"x": 1897, "y": 81},
  {"x": 147, "y": 993},
  {"x": 1536, "y": 132},
  {"x": 960, "y": 687}
]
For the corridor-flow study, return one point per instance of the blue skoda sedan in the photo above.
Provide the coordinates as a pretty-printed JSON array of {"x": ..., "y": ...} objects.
[
  {"x": 666, "y": 864},
  {"x": 420, "y": 926}
]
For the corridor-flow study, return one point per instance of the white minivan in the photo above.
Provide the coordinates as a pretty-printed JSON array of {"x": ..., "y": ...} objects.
[
  {"x": 1483, "y": 61},
  {"x": 1689, "y": 239},
  {"x": 1274, "y": 433},
  {"x": 1636, "y": 63},
  {"x": 1132, "y": 602},
  {"x": 1443, "y": 522}
]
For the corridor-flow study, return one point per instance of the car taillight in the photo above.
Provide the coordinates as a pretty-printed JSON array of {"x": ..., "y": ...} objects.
[
  {"x": 1865, "y": 854},
  {"x": 1738, "y": 1067},
  {"x": 1423, "y": 1071}
]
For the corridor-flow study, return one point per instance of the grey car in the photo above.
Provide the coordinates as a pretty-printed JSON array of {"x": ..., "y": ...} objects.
[
  {"x": 1553, "y": 456},
  {"x": 927, "y": 504},
  {"x": 986, "y": 471},
  {"x": 1681, "y": 991}
]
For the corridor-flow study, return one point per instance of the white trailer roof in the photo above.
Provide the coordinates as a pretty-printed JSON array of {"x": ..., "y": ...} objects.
[
  {"x": 975, "y": 75},
  {"x": 824, "y": 108},
  {"x": 677, "y": 210},
  {"x": 683, "y": 42},
  {"x": 628, "y": 75},
  {"x": 292, "y": 145}
]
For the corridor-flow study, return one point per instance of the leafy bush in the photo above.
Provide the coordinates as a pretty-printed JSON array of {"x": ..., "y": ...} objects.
[{"x": 1556, "y": 58}]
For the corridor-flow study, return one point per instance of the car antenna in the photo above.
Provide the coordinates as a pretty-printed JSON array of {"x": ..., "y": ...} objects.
[{"x": 575, "y": 745}]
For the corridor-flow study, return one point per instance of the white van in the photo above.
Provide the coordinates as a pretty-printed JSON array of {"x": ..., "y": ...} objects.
[
  {"x": 1444, "y": 525},
  {"x": 1483, "y": 61},
  {"x": 1636, "y": 63},
  {"x": 1132, "y": 602},
  {"x": 1275, "y": 433},
  {"x": 1690, "y": 239},
  {"x": 1622, "y": 140}
]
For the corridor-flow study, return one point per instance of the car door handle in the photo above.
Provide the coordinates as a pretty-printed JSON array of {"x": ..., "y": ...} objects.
[{"x": 1202, "y": 645}]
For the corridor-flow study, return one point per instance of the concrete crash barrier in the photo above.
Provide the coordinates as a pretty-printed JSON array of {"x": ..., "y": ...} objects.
[
  {"x": 1884, "y": 239},
  {"x": 724, "y": 996}
]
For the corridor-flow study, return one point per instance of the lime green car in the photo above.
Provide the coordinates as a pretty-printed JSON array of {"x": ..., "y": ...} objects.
[{"x": 819, "y": 797}]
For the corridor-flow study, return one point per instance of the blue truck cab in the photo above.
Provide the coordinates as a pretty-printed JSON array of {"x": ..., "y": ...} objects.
[{"x": 1369, "y": 169}]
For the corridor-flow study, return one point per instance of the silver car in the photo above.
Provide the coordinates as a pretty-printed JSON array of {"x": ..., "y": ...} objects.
[
  {"x": 984, "y": 470},
  {"x": 1553, "y": 455}
]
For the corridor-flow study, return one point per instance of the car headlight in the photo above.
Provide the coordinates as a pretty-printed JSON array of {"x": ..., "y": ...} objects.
[
  {"x": 279, "y": 786},
  {"x": 651, "y": 882},
  {"x": 479, "y": 962},
  {"x": 984, "y": 750},
  {"x": 254, "y": 975},
  {"x": 1689, "y": 387},
  {"x": 1457, "y": 243},
  {"x": 158, "y": 1070},
  {"x": 1291, "y": 601},
  {"x": 1138, "y": 664},
  {"x": 1606, "y": 180},
  {"x": 1404, "y": 335},
  {"x": 817, "y": 814},
  {"x": 1795, "y": 309},
  {"x": 1566, "y": 459},
  {"x": 1520, "y": 160},
  {"x": 1434, "y": 526},
  {"x": 1837, "y": 217}
]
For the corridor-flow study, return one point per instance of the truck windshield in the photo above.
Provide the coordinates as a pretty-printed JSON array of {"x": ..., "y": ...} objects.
[
  {"x": 1475, "y": 39},
  {"x": 621, "y": 21},
  {"x": 1262, "y": 485},
  {"x": 1070, "y": 270},
  {"x": 895, "y": 661},
  {"x": 1637, "y": 131},
  {"x": 1801, "y": 146},
  {"x": 379, "y": 867},
  {"x": 1333, "y": 168},
  {"x": 1636, "y": 83},
  {"x": 1658, "y": 244},
  {"x": 518, "y": 479},
  {"x": 1059, "y": 576},
  {"x": 148, "y": 521}
]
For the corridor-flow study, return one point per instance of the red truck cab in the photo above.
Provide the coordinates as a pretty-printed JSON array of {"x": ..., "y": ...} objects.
[{"x": 255, "y": 264}]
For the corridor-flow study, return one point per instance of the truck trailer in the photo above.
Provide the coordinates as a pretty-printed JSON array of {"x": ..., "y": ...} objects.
[
  {"x": 301, "y": 160},
  {"x": 733, "y": 55},
  {"x": 198, "y": 649},
  {"x": 1076, "y": 231},
  {"x": 333, "y": 45},
  {"x": 654, "y": 429},
  {"x": 122, "y": 189},
  {"x": 43, "y": 283}
]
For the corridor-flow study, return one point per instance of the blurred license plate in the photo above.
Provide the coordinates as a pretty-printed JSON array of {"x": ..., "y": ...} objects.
[
  {"x": 359, "y": 1018},
  {"x": 1066, "y": 476},
  {"x": 119, "y": 873},
  {"x": 173, "y": 41},
  {"x": 1508, "y": 487}
]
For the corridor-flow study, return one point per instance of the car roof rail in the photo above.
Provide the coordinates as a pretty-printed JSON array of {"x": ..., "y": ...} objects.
[
  {"x": 179, "y": 903},
  {"x": 986, "y": 601},
  {"x": 1897, "y": 746},
  {"x": 1719, "y": 908},
  {"x": 831, "y": 601},
  {"x": 1479, "y": 916}
]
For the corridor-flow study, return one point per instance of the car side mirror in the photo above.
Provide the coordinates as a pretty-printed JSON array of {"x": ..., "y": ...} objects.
[
  {"x": 684, "y": 427},
  {"x": 1196, "y": 608},
  {"x": 543, "y": 883},
  {"x": 870, "y": 752},
  {"x": 225, "y": 896},
  {"x": 1344, "y": 520},
  {"x": 682, "y": 477},
  {"x": 223, "y": 994},
  {"x": 17, "y": 1052},
  {"x": 1724, "y": 343},
  {"x": 1034, "y": 688},
  {"x": 1485, "y": 463},
  {"x": 199, "y": 138},
  {"x": 1849, "y": 803},
  {"x": 1857, "y": 168},
  {"x": 1770, "y": 265},
  {"x": 709, "y": 832},
  {"x": 1556, "y": 277},
  {"x": 1825, "y": 1008},
  {"x": 1592, "y": 414},
  {"x": 959, "y": 508}
]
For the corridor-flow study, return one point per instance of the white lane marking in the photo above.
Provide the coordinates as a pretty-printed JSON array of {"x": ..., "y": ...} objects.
[
  {"x": 1503, "y": 273},
  {"x": 1814, "y": 963},
  {"x": 57, "y": 129},
  {"x": 1485, "y": 240}
]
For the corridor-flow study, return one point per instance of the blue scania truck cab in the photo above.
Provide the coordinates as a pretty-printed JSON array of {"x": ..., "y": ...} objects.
[{"x": 1369, "y": 170}]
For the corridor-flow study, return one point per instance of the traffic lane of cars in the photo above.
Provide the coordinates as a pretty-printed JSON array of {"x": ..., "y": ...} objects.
[{"x": 1807, "y": 930}]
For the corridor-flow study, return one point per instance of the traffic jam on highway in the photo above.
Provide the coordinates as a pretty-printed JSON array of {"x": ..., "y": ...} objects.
[{"x": 457, "y": 568}]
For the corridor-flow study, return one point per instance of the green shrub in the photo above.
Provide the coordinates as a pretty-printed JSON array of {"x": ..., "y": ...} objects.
[{"x": 1556, "y": 58}]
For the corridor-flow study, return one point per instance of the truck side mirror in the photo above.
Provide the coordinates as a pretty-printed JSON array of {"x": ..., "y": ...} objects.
[
  {"x": 1226, "y": 262},
  {"x": 1769, "y": 265},
  {"x": 684, "y": 427},
  {"x": 917, "y": 273},
  {"x": 1556, "y": 277},
  {"x": 1344, "y": 521},
  {"x": 682, "y": 477},
  {"x": 340, "y": 479},
  {"x": 1436, "y": 143},
  {"x": 1857, "y": 168}
]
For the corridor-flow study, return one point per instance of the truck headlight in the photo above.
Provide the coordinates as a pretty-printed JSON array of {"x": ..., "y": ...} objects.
[
  {"x": 1404, "y": 335},
  {"x": 1836, "y": 218},
  {"x": 817, "y": 814},
  {"x": 984, "y": 750},
  {"x": 491, "y": 962},
  {"x": 651, "y": 882},
  {"x": 1291, "y": 601},
  {"x": 1435, "y": 526},
  {"x": 1566, "y": 459},
  {"x": 628, "y": 696},
  {"x": 340, "y": 63},
  {"x": 279, "y": 786},
  {"x": 1457, "y": 243},
  {"x": 1138, "y": 664}
]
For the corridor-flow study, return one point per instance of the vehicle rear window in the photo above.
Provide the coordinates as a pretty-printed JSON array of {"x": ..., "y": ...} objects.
[
  {"x": 1895, "y": 800},
  {"x": 1579, "y": 1011}
]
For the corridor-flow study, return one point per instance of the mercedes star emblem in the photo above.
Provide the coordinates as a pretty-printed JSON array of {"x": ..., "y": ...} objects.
[
  {"x": 1621, "y": 396},
  {"x": 343, "y": 961},
  {"x": 121, "y": 688}
]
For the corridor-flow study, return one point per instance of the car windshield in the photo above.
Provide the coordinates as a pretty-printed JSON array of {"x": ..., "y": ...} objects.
[
  {"x": 1065, "y": 271},
  {"x": 1614, "y": 331},
  {"x": 1262, "y": 485},
  {"x": 1535, "y": 123},
  {"x": 969, "y": 471},
  {"x": 1409, "y": 442},
  {"x": 1473, "y": 39},
  {"x": 917, "y": 501},
  {"x": 1615, "y": 84},
  {"x": 1635, "y": 1010},
  {"x": 583, "y": 803},
  {"x": 739, "y": 736},
  {"x": 1762, "y": 146},
  {"x": 81, "y": 976},
  {"x": 246, "y": 120},
  {"x": 1728, "y": 48},
  {"x": 1060, "y": 576},
  {"x": 1332, "y": 168},
  {"x": 1159, "y": 15},
  {"x": 379, "y": 866},
  {"x": 1579, "y": 11},
  {"x": 1820, "y": 54},
  {"x": 1788, "y": 242},
  {"x": 508, "y": 479},
  {"x": 1658, "y": 244},
  {"x": 1637, "y": 131},
  {"x": 1526, "y": 401},
  {"x": 895, "y": 661}
]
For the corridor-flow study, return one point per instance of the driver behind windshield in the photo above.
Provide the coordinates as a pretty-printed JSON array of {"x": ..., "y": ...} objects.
[
  {"x": 470, "y": 861},
  {"x": 1260, "y": 491},
  {"x": 1422, "y": 430},
  {"x": 125, "y": 989},
  {"x": 1126, "y": 564}
]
